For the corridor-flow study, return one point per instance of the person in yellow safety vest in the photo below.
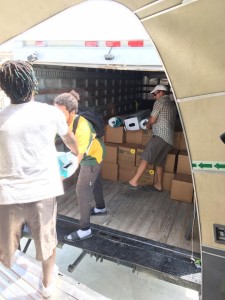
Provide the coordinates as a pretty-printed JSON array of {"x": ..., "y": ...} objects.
[{"x": 91, "y": 152}]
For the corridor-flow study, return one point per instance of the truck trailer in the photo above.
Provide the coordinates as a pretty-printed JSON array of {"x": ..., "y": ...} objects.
[{"x": 188, "y": 36}]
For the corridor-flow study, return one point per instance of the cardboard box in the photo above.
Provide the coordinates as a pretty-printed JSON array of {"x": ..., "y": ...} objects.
[
  {"x": 171, "y": 161},
  {"x": 139, "y": 152},
  {"x": 183, "y": 164},
  {"x": 134, "y": 137},
  {"x": 167, "y": 181},
  {"x": 111, "y": 153},
  {"x": 146, "y": 136},
  {"x": 147, "y": 178},
  {"x": 127, "y": 154},
  {"x": 114, "y": 135},
  {"x": 138, "y": 157},
  {"x": 110, "y": 171},
  {"x": 126, "y": 172},
  {"x": 183, "y": 145},
  {"x": 182, "y": 188},
  {"x": 176, "y": 142}
]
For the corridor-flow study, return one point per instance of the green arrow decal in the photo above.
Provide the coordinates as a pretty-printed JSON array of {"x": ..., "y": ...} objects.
[
  {"x": 219, "y": 166},
  {"x": 210, "y": 165},
  {"x": 201, "y": 165}
]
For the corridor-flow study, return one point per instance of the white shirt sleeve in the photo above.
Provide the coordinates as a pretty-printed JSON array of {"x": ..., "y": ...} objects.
[{"x": 62, "y": 127}]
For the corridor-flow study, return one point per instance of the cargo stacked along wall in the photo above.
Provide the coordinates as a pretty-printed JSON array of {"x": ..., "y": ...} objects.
[{"x": 109, "y": 92}]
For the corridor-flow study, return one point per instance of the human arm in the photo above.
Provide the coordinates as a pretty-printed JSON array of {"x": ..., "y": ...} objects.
[
  {"x": 154, "y": 114},
  {"x": 80, "y": 157},
  {"x": 70, "y": 140},
  {"x": 151, "y": 121}
]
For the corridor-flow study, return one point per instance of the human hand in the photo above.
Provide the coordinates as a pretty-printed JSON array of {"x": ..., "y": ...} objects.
[{"x": 68, "y": 163}]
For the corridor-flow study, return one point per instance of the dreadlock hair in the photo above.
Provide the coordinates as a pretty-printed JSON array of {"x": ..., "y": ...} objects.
[
  {"x": 69, "y": 100},
  {"x": 18, "y": 81}
]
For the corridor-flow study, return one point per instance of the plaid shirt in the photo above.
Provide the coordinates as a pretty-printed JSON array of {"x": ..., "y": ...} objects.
[{"x": 165, "y": 111}]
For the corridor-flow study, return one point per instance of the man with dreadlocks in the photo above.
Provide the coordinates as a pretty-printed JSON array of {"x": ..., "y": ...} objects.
[{"x": 29, "y": 174}]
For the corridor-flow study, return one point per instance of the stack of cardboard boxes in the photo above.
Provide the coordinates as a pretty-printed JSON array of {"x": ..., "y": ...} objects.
[
  {"x": 123, "y": 156},
  {"x": 182, "y": 186},
  {"x": 124, "y": 150}
]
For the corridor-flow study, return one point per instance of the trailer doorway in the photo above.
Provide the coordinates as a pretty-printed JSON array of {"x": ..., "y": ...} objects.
[
  {"x": 161, "y": 238},
  {"x": 146, "y": 218}
]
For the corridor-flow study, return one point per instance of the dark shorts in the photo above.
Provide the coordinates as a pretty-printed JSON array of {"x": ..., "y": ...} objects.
[{"x": 156, "y": 151}]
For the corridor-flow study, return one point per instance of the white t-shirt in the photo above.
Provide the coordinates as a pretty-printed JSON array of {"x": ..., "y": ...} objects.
[{"x": 28, "y": 163}]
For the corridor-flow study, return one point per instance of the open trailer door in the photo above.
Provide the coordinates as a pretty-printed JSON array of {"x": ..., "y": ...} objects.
[{"x": 192, "y": 50}]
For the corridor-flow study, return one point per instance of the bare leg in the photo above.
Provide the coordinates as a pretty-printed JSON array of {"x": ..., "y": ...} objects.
[
  {"x": 142, "y": 167},
  {"x": 159, "y": 177},
  {"x": 47, "y": 269}
]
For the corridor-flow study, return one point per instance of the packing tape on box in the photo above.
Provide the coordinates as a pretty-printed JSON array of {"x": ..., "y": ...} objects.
[
  {"x": 115, "y": 122},
  {"x": 143, "y": 123}
]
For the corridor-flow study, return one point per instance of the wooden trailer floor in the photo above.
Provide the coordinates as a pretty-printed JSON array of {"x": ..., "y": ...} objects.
[{"x": 150, "y": 214}]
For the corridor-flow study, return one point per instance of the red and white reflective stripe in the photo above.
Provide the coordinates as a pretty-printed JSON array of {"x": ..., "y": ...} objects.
[
  {"x": 40, "y": 43},
  {"x": 130, "y": 43},
  {"x": 91, "y": 44},
  {"x": 113, "y": 43},
  {"x": 139, "y": 43}
]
